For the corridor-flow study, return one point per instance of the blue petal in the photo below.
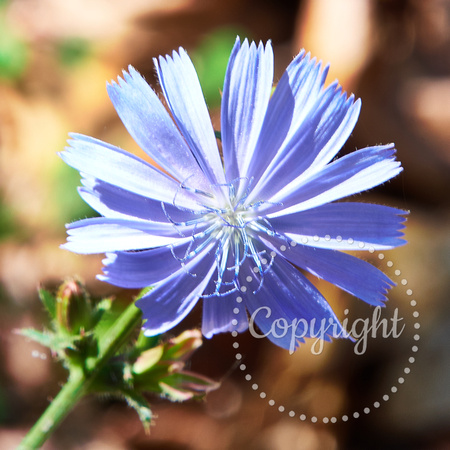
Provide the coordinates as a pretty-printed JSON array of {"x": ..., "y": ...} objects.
[
  {"x": 174, "y": 297},
  {"x": 142, "y": 268},
  {"x": 222, "y": 313},
  {"x": 289, "y": 308},
  {"x": 305, "y": 79},
  {"x": 124, "y": 170},
  {"x": 184, "y": 96},
  {"x": 291, "y": 103},
  {"x": 150, "y": 125},
  {"x": 115, "y": 202},
  {"x": 314, "y": 143},
  {"x": 102, "y": 235},
  {"x": 246, "y": 93},
  {"x": 344, "y": 226},
  {"x": 347, "y": 272},
  {"x": 353, "y": 173}
]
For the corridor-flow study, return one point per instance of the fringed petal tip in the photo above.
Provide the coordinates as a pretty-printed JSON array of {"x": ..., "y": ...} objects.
[
  {"x": 130, "y": 71},
  {"x": 103, "y": 278}
]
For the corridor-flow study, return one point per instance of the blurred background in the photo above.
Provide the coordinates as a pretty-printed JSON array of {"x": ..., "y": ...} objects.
[{"x": 55, "y": 58}]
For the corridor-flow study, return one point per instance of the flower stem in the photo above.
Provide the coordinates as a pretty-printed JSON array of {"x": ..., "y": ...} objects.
[
  {"x": 80, "y": 379},
  {"x": 58, "y": 409}
]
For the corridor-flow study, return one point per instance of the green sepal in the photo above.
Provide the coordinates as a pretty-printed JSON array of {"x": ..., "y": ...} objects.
[
  {"x": 182, "y": 386},
  {"x": 147, "y": 360},
  {"x": 57, "y": 343},
  {"x": 174, "y": 394},
  {"x": 105, "y": 313},
  {"x": 139, "y": 403},
  {"x": 86, "y": 349},
  {"x": 192, "y": 382},
  {"x": 161, "y": 369},
  {"x": 182, "y": 346},
  {"x": 42, "y": 338},
  {"x": 143, "y": 343},
  {"x": 49, "y": 301}
]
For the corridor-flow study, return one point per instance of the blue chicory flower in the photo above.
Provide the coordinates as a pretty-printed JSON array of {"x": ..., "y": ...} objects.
[{"x": 228, "y": 221}]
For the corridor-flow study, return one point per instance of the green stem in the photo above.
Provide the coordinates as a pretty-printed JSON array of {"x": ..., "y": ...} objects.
[
  {"x": 58, "y": 409},
  {"x": 80, "y": 380}
]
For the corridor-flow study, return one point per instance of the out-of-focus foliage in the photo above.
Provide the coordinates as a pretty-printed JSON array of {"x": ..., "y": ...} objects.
[
  {"x": 211, "y": 58},
  {"x": 7, "y": 225},
  {"x": 73, "y": 51},
  {"x": 14, "y": 52}
]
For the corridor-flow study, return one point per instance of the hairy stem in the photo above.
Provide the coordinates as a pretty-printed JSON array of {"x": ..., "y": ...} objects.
[{"x": 80, "y": 379}]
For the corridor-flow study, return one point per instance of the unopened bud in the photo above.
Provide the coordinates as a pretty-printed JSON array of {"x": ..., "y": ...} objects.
[{"x": 73, "y": 307}]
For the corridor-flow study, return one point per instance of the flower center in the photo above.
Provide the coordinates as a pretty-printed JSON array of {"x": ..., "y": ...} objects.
[{"x": 230, "y": 231}]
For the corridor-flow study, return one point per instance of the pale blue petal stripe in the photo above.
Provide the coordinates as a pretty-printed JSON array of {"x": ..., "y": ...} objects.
[
  {"x": 246, "y": 93},
  {"x": 220, "y": 313},
  {"x": 295, "y": 95},
  {"x": 347, "y": 272},
  {"x": 152, "y": 128},
  {"x": 115, "y": 202},
  {"x": 345, "y": 225},
  {"x": 353, "y": 173},
  {"x": 313, "y": 144},
  {"x": 143, "y": 268},
  {"x": 124, "y": 170},
  {"x": 289, "y": 305},
  {"x": 102, "y": 235},
  {"x": 174, "y": 297},
  {"x": 184, "y": 96}
]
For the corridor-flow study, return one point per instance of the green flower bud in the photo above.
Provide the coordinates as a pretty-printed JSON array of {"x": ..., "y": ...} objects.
[{"x": 73, "y": 308}]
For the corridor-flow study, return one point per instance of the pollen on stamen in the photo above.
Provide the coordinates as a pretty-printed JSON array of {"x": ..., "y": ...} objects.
[{"x": 230, "y": 230}]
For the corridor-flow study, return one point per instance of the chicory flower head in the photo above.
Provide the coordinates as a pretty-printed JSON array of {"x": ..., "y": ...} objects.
[{"x": 228, "y": 221}]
